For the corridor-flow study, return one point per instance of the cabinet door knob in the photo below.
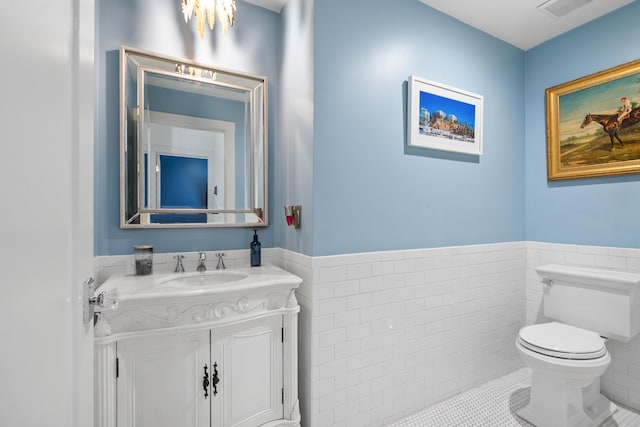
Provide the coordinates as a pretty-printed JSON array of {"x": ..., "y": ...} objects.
[
  {"x": 214, "y": 379},
  {"x": 205, "y": 382}
]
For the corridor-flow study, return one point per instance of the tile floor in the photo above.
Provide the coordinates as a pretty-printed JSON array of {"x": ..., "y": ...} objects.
[{"x": 495, "y": 404}]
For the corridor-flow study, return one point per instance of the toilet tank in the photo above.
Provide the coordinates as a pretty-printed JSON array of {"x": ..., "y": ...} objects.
[{"x": 600, "y": 300}]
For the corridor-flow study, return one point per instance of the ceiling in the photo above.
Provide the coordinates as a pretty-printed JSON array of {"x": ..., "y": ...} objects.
[
  {"x": 517, "y": 22},
  {"x": 275, "y": 5}
]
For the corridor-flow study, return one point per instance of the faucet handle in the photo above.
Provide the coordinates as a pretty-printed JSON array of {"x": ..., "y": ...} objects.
[
  {"x": 179, "y": 267},
  {"x": 202, "y": 257},
  {"x": 220, "y": 265}
]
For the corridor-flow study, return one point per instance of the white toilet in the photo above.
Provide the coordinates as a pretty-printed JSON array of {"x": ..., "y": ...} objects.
[{"x": 568, "y": 355}]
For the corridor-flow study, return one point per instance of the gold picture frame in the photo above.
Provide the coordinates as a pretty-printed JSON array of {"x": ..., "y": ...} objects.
[{"x": 593, "y": 125}]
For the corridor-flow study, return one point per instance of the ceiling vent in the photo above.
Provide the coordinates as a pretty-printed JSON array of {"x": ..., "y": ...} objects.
[{"x": 559, "y": 8}]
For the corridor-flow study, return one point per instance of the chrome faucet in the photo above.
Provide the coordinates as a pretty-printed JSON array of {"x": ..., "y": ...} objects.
[
  {"x": 201, "y": 259},
  {"x": 179, "y": 266},
  {"x": 220, "y": 265}
]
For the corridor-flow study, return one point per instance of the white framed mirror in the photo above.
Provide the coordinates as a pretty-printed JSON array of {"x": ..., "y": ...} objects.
[{"x": 193, "y": 144}]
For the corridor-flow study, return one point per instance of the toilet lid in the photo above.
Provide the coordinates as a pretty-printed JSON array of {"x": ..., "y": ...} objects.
[{"x": 562, "y": 341}]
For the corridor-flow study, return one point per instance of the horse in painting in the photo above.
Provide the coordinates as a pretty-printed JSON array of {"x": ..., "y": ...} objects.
[{"x": 610, "y": 124}]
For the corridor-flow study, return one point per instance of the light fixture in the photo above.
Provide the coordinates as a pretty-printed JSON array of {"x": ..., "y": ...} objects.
[{"x": 207, "y": 10}]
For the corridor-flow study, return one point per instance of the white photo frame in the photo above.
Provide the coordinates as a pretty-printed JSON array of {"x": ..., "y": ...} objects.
[{"x": 442, "y": 117}]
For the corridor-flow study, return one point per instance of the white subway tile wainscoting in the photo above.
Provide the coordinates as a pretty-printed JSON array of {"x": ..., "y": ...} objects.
[{"x": 385, "y": 335}]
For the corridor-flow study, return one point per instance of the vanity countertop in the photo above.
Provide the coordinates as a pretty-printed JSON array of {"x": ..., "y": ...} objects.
[
  {"x": 132, "y": 288},
  {"x": 194, "y": 300}
]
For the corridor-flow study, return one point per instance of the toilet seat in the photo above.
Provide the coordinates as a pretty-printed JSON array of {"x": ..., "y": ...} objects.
[{"x": 562, "y": 341}]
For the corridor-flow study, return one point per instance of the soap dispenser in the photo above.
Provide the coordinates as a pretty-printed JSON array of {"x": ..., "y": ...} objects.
[{"x": 255, "y": 250}]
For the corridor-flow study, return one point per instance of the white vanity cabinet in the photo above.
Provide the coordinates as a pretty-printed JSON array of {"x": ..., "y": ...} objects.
[
  {"x": 249, "y": 362},
  {"x": 206, "y": 359},
  {"x": 158, "y": 380}
]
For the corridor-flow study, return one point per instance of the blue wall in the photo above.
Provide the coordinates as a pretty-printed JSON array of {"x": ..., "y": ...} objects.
[
  {"x": 252, "y": 45},
  {"x": 293, "y": 162},
  {"x": 361, "y": 188},
  {"x": 602, "y": 211},
  {"x": 372, "y": 193}
]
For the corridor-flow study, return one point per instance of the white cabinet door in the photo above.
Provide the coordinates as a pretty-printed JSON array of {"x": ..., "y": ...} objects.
[
  {"x": 160, "y": 381},
  {"x": 248, "y": 358}
]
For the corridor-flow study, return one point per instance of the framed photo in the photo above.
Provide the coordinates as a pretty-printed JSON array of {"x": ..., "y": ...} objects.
[
  {"x": 444, "y": 118},
  {"x": 593, "y": 125}
]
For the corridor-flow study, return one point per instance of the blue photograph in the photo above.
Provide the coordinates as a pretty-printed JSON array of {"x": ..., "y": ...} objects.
[{"x": 446, "y": 118}]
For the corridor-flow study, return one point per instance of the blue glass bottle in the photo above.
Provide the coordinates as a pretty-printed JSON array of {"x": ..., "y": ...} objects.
[{"x": 255, "y": 250}]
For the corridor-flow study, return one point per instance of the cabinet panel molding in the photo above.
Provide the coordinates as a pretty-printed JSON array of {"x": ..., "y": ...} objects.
[
  {"x": 159, "y": 382},
  {"x": 250, "y": 359}
]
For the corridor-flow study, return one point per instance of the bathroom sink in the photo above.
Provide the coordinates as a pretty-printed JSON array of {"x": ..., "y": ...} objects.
[
  {"x": 161, "y": 300},
  {"x": 204, "y": 279}
]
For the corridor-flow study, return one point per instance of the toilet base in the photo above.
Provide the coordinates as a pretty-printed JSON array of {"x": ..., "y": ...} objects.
[{"x": 555, "y": 405}]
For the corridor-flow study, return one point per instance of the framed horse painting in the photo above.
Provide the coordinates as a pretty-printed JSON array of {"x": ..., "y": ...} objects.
[{"x": 593, "y": 125}]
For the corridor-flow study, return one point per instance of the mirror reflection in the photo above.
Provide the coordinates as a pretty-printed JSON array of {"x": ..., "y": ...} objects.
[{"x": 193, "y": 144}]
